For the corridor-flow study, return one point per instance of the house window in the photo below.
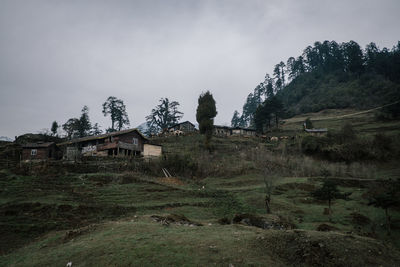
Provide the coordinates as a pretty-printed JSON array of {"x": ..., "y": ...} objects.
[
  {"x": 134, "y": 141},
  {"x": 33, "y": 152}
]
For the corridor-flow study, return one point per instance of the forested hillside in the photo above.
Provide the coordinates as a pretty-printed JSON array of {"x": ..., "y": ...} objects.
[{"x": 328, "y": 75}]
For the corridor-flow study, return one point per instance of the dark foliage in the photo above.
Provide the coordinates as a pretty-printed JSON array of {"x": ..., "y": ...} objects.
[
  {"x": 330, "y": 75},
  {"x": 116, "y": 109},
  {"x": 164, "y": 115},
  {"x": 347, "y": 146},
  {"x": 205, "y": 114}
]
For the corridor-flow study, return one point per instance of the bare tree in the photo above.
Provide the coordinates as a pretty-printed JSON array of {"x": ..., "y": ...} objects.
[{"x": 270, "y": 180}]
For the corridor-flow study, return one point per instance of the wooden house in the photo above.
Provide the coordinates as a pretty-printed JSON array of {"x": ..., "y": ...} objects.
[
  {"x": 243, "y": 131},
  {"x": 222, "y": 130},
  {"x": 40, "y": 151},
  {"x": 122, "y": 143},
  {"x": 186, "y": 127}
]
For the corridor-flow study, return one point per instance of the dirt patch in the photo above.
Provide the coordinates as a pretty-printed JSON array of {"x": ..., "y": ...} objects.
[
  {"x": 69, "y": 235},
  {"x": 175, "y": 219},
  {"x": 170, "y": 181},
  {"x": 359, "y": 219},
  {"x": 224, "y": 221},
  {"x": 265, "y": 222},
  {"x": 326, "y": 228}
]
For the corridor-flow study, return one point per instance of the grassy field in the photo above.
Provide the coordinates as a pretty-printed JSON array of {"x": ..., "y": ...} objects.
[{"x": 104, "y": 212}]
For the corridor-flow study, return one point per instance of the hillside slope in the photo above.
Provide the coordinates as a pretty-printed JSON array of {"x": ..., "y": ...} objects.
[{"x": 313, "y": 92}]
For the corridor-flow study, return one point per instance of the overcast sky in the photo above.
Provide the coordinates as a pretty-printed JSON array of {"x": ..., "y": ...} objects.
[{"x": 57, "y": 56}]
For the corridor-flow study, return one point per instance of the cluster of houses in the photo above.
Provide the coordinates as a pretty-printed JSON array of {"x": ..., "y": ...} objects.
[
  {"x": 188, "y": 127},
  {"x": 125, "y": 143}
]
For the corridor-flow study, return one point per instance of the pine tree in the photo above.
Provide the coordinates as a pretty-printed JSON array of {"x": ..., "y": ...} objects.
[{"x": 205, "y": 114}]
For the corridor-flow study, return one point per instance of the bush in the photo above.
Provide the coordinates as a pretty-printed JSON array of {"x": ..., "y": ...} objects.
[{"x": 313, "y": 145}]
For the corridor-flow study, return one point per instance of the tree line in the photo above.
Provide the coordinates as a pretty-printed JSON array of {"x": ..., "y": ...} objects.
[
  {"x": 82, "y": 126},
  {"x": 325, "y": 75},
  {"x": 164, "y": 115}
]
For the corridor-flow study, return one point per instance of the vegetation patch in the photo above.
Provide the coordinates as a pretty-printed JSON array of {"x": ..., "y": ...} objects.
[{"x": 175, "y": 219}]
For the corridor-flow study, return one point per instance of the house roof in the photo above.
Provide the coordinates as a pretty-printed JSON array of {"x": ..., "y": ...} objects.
[
  {"x": 38, "y": 145},
  {"x": 101, "y": 136},
  {"x": 180, "y": 124},
  {"x": 321, "y": 130}
]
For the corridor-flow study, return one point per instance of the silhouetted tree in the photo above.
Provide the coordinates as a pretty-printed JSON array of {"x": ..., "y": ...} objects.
[
  {"x": 269, "y": 182},
  {"x": 71, "y": 127},
  {"x": 163, "y": 116},
  {"x": 386, "y": 197},
  {"x": 235, "y": 122},
  {"x": 54, "y": 128},
  {"x": 96, "y": 129},
  {"x": 116, "y": 109},
  {"x": 205, "y": 114},
  {"x": 328, "y": 192},
  {"x": 84, "y": 125}
]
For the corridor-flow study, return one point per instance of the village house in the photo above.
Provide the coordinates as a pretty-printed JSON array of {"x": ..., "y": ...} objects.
[
  {"x": 222, "y": 130},
  {"x": 40, "y": 151},
  {"x": 122, "y": 143},
  {"x": 243, "y": 131},
  {"x": 229, "y": 131},
  {"x": 186, "y": 127}
]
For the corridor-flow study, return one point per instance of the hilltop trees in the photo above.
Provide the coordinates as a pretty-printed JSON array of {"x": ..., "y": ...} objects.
[
  {"x": 271, "y": 109},
  {"x": 54, "y": 128},
  {"x": 116, "y": 109},
  {"x": 331, "y": 75},
  {"x": 71, "y": 127},
  {"x": 84, "y": 125},
  {"x": 235, "y": 122},
  {"x": 205, "y": 114},
  {"x": 81, "y": 127},
  {"x": 164, "y": 115}
]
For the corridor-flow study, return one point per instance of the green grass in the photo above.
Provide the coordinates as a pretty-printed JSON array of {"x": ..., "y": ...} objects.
[{"x": 38, "y": 209}]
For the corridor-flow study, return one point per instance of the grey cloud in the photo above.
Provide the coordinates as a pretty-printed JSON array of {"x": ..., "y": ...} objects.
[{"x": 57, "y": 56}]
